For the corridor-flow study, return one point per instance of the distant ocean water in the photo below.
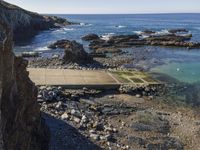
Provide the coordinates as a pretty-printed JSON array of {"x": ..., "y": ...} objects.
[{"x": 107, "y": 25}]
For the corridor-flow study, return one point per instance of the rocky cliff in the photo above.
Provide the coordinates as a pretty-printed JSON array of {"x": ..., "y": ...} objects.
[
  {"x": 25, "y": 23},
  {"x": 21, "y": 125}
]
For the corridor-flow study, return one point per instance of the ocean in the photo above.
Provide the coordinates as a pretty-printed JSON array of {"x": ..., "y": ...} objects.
[{"x": 179, "y": 63}]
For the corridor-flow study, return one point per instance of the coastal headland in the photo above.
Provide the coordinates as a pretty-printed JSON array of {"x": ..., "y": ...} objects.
[{"x": 71, "y": 103}]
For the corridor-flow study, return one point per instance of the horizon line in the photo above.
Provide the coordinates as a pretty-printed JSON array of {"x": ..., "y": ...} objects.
[{"x": 123, "y": 13}]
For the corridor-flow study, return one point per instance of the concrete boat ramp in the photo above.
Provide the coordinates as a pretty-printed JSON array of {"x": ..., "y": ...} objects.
[{"x": 86, "y": 78}]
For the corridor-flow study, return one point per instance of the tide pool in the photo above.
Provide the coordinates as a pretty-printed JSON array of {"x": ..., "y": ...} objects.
[{"x": 188, "y": 72}]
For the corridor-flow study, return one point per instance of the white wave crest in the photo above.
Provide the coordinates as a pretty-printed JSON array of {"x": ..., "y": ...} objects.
[
  {"x": 137, "y": 32},
  {"x": 85, "y": 24},
  {"x": 162, "y": 32},
  {"x": 120, "y": 26},
  {"x": 68, "y": 29},
  {"x": 107, "y": 36},
  {"x": 45, "y": 48}
]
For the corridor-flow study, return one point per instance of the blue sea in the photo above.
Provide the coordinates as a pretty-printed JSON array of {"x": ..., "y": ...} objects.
[{"x": 179, "y": 63}]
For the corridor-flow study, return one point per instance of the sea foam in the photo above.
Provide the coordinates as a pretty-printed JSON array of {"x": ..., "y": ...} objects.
[
  {"x": 45, "y": 48},
  {"x": 120, "y": 26},
  {"x": 107, "y": 36},
  {"x": 85, "y": 24}
]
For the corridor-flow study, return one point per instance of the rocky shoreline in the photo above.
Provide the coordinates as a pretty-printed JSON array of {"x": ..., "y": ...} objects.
[
  {"x": 112, "y": 120},
  {"x": 132, "y": 117},
  {"x": 26, "y": 24}
]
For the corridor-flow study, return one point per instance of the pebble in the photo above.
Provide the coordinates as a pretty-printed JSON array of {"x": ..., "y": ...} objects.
[
  {"x": 77, "y": 120},
  {"x": 65, "y": 116},
  {"x": 111, "y": 96},
  {"x": 59, "y": 105},
  {"x": 84, "y": 119},
  {"x": 95, "y": 136},
  {"x": 138, "y": 96},
  {"x": 75, "y": 113}
]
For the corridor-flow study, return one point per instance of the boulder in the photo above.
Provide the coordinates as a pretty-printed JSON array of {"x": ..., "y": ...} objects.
[
  {"x": 21, "y": 124},
  {"x": 90, "y": 37},
  {"x": 73, "y": 52}
]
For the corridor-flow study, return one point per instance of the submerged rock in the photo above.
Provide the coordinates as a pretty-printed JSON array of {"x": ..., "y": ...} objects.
[{"x": 22, "y": 126}]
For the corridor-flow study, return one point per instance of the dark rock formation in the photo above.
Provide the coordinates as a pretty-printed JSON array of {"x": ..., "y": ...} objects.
[
  {"x": 21, "y": 125},
  {"x": 25, "y": 23},
  {"x": 171, "y": 37},
  {"x": 125, "y": 41},
  {"x": 90, "y": 37},
  {"x": 73, "y": 52},
  {"x": 109, "y": 46},
  {"x": 177, "y": 30},
  {"x": 147, "y": 32}
]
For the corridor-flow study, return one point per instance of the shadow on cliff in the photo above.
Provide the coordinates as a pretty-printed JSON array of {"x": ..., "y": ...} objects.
[{"x": 66, "y": 137}]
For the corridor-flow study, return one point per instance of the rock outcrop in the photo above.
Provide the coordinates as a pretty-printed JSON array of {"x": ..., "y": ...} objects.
[
  {"x": 25, "y": 23},
  {"x": 114, "y": 43},
  {"x": 90, "y": 37},
  {"x": 21, "y": 125},
  {"x": 73, "y": 52}
]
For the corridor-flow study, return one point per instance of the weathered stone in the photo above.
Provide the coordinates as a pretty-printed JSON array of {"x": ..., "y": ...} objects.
[
  {"x": 21, "y": 124},
  {"x": 73, "y": 52},
  {"x": 65, "y": 116},
  {"x": 95, "y": 136}
]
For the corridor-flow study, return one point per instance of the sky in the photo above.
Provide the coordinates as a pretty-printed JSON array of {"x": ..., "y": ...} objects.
[{"x": 109, "y": 6}]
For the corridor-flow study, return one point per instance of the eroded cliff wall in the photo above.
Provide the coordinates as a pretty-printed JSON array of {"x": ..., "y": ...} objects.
[
  {"x": 21, "y": 125},
  {"x": 25, "y": 23}
]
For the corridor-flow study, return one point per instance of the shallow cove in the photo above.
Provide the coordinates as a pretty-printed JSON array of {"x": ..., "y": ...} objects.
[
  {"x": 183, "y": 72},
  {"x": 178, "y": 63}
]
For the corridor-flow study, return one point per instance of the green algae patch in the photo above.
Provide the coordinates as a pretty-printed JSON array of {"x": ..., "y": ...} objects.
[
  {"x": 134, "y": 77},
  {"x": 136, "y": 80},
  {"x": 149, "y": 79}
]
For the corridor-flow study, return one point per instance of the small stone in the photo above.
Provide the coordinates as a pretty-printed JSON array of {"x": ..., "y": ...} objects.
[
  {"x": 84, "y": 119},
  {"x": 108, "y": 128},
  {"x": 42, "y": 87},
  {"x": 150, "y": 97},
  {"x": 95, "y": 136},
  {"x": 92, "y": 131},
  {"x": 114, "y": 130},
  {"x": 39, "y": 96},
  {"x": 65, "y": 116},
  {"x": 75, "y": 113},
  {"x": 138, "y": 96},
  {"x": 106, "y": 137},
  {"x": 59, "y": 105},
  {"x": 59, "y": 88},
  {"x": 77, "y": 120},
  {"x": 85, "y": 89},
  {"x": 111, "y": 97}
]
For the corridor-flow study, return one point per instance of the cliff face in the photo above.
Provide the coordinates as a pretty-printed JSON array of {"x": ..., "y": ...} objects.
[
  {"x": 21, "y": 125},
  {"x": 25, "y": 23}
]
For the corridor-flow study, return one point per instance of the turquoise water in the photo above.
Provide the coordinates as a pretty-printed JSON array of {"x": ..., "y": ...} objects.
[{"x": 183, "y": 72}]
